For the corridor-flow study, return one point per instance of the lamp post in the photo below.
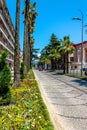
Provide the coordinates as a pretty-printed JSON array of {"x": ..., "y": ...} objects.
[{"x": 81, "y": 19}]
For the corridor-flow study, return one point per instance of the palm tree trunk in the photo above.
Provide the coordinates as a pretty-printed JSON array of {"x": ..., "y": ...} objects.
[
  {"x": 26, "y": 41},
  {"x": 17, "y": 47},
  {"x": 52, "y": 64},
  {"x": 24, "y": 52},
  {"x": 64, "y": 65},
  {"x": 29, "y": 50},
  {"x": 30, "y": 57},
  {"x": 67, "y": 64}
]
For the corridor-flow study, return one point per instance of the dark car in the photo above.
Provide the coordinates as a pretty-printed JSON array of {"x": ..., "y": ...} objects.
[{"x": 85, "y": 71}]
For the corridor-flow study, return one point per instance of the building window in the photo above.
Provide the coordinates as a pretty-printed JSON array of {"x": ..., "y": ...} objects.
[
  {"x": 71, "y": 59},
  {"x": 79, "y": 50},
  {"x": 75, "y": 67}
]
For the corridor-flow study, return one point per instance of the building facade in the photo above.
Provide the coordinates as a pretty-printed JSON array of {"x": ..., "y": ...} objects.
[
  {"x": 7, "y": 33},
  {"x": 75, "y": 58}
]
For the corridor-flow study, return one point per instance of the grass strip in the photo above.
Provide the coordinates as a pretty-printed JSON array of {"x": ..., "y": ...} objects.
[{"x": 77, "y": 76}]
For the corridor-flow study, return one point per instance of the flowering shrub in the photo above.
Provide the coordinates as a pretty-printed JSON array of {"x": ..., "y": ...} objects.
[{"x": 27, "y": 110}]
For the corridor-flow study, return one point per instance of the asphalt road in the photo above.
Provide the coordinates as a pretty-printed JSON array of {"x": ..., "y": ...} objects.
[{"x": 66, "y": 99}]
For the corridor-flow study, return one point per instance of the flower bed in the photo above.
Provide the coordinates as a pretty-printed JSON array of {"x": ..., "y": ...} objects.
[{"x": 27, "y": 110}]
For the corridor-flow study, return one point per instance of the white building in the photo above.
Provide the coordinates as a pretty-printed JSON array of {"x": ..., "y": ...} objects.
[{"x": 7, "y": 33}]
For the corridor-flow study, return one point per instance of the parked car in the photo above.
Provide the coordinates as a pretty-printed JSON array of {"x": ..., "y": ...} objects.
[
  {"x": 85, "y": 71},
  {"x": 40, "y": 69}
]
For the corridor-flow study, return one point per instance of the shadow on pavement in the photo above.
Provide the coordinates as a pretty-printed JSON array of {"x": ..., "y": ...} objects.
[{"x": 81, "y": 82}]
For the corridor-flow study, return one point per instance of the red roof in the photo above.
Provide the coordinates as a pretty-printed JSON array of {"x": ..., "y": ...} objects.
[{"x": 85, "y": 42}]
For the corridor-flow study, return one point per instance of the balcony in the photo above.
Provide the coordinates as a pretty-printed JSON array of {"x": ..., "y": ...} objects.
[
  {"x": 10, "y": 58},
  {"x": 5, "y": 46},
  {"x": 4, "y": 22},
  {"x": 6, "y": 36},
  {"x": 1, "y": 26}
]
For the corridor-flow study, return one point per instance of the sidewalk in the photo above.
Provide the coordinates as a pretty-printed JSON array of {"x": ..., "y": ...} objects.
[
  {"x": 66, "y": 99},
  {"x": 51, "y": 109}
]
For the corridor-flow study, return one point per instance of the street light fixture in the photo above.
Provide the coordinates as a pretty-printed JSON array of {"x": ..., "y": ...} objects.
[
  {"x": 76, "y": 18},
  {"x": 81, "y": 19}
]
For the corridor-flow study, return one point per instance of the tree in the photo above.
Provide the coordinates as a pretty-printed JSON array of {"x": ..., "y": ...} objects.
[
  {"x": 51, "y": 52},
  {"x": 32, "y": 13},
  {"x": 54, "y": 53},
  {"x": 30, "y": 17},
  {"x": 66, "y": 49},
  {"x": 17, "y": 47},
  {"x": 26, "y": 49},
  {"x": 34, "y": 54}
]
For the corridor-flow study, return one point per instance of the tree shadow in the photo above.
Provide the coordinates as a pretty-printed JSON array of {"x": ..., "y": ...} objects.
[
  {"x": 58, "y": 73},
  {"x": 80, "y": 82}
]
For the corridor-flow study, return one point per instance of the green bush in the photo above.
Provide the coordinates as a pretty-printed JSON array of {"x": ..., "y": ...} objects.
[
  {"x": 3, "y": 61},
  {"x": 6, "y": 98},
  {"x": 5, "y": 78}
]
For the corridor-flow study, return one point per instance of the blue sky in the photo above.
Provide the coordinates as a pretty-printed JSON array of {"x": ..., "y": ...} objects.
[{"x": 54, "y": 16}]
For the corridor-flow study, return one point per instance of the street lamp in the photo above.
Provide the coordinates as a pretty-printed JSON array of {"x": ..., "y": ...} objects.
[{"x": 81, "y": 19}]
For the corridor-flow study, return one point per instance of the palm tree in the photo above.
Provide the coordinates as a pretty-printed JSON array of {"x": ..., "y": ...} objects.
[
  {"x": 17, "y": 47},
  {"x": 25, "y": 48},
  {"x": 44, "y": 59},
  {"x": 66, "y": 49},
  {"x": 30, "y": 16},
  {"x": 54, "y": 56},
  {"x": 50, "y": 52}
]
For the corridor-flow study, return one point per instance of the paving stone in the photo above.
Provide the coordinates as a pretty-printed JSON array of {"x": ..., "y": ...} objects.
[{"x": 66, "y": 99}]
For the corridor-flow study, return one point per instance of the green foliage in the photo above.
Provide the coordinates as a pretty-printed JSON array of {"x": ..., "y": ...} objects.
[
  {"x": 29, "y": 113},
  {"x": 5, "y": 78},
  {"x": 54, "y": 42},
  {"x": 28, "y": 68},
  {"x": 6, "y": 98},
  {"x": 31, "y": 75},
  {"x": 66, "y": 49},
  {"x": 67, "y": 46},
  {"x": 78, "y": 76},
  {"x": 51, "y": 52},
  {"x": 32, "y": 14},
  {"x": 3, "y": 61}
]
